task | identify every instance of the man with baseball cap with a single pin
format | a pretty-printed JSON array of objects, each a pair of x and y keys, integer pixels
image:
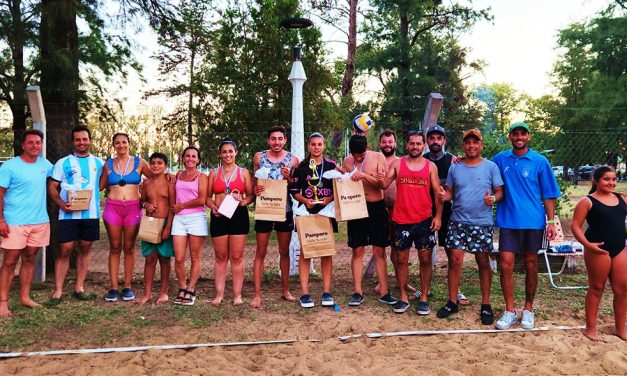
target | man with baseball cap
[
  {"x": 526, "y": 210},
  {"x": 474, "y": 185},
  {"x": 436, "y": 140}
]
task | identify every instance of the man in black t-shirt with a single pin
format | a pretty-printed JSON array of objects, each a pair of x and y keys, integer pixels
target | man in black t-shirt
[{"x": 436, "y": 139}]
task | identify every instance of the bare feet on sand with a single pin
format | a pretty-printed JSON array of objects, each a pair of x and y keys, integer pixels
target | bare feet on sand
[
  {"x": 237, "y": 301},
  {"x": 591, "y": 334},
  {"x": 256, "y": 302},
  {"x": 288, "y": 297},
  {"x": 217, "y": 301},
  {"x": 145, "y": 299},
  {"x": 4, "y": 309},
  {"x": 162, "y": 299},
  {"x": 30, "y": 303}
]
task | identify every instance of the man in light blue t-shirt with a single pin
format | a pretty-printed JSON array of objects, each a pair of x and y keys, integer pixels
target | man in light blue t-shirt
[
  {"x": 24, "y": 222},
  {"x": 529, "y": 200},
  {"x": 474, "y": 185},
  {"x": 76, "y": 175}
]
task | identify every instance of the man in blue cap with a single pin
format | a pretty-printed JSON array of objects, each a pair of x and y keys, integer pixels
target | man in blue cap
[{"x": 527, "y": 209}]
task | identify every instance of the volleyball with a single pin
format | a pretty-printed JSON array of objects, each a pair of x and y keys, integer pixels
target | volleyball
[{"x": 362, "y": 123}]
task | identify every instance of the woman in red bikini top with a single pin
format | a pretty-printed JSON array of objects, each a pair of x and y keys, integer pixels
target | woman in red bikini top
[{"x": 229, "y": 234}]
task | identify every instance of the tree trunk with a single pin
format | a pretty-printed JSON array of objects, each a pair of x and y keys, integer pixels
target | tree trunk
[
  {"x": 404, "y": 71},
  {"x": 17, "y": 40},
  {"x": 349, "y": 70},
  {"x": 59, "y": 87},
  {"x": 59, "y": 73},
  {"x": 190, "y": 104}
]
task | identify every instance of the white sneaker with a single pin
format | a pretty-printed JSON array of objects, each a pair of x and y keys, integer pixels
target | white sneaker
[
  {"x": 507, "y": 320},
  {"x": 527, "y": 321}
]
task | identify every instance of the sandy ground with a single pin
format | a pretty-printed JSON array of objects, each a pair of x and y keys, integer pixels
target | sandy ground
[{"x": 548, "y": 352}]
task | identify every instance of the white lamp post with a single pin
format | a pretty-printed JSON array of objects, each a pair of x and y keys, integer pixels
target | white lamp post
[{"x": 297, "y": 77}]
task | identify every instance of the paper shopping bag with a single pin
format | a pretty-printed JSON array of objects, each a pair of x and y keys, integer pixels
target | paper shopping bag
[
  {"x": 150, "y": 229},
  {"x": 80, "y": 199},
  {"x": 271, "y": 203},
  {"x": 229, "y": 205},
  {"x": 350, "y": 199},
  {"x": 315, "y": 234}
]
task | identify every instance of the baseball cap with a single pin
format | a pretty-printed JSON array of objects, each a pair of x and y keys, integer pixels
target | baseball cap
[
  {"x": 472, "y": 132},
  {"x": 519, "y": 124},
  {"x": 436, "y": 128}
]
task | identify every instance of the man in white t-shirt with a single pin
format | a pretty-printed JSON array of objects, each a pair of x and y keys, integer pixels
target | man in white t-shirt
[{"x": 76, "y": 175}]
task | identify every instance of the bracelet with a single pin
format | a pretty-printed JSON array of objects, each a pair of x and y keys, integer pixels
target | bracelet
[{"x": 551, "y": 221}]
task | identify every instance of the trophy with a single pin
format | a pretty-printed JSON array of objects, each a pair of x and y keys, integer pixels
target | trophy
[{"x": 315, "y": 176}]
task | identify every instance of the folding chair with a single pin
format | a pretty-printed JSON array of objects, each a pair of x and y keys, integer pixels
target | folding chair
[{"x": 560, "y": 248}]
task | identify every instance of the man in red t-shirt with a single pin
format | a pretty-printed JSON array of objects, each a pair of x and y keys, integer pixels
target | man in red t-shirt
[{"x": 415, "y": 176}]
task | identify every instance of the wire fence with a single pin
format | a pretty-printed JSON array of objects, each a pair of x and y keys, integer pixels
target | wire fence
[{"x": 573, "y": 155}]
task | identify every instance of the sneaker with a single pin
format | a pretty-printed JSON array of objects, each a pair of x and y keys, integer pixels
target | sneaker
[
  {"x": 112, "y": 296},
  {"x": 507, "y": 320},
  {"x": 327, "y": 300},
  {"x": 128, "y": 295},
  {"x": 400, "y": 307},
  {"x": 447, "y": 310},
  {"x": 356, "y": 299},
  {"x": 423, "y": 308},
  {"x": 388, "y": 299},
  {"x": 306, "y": 301},
  {"x": 528, "y": 320},
  {"x": 486, "y": 314}
]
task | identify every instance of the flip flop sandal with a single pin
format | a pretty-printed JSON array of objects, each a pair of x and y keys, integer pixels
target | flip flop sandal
[
  {"x": 180, "y": 298},
  {"x": 462, "y": 300},
  {"x": 191, "y": 300}
]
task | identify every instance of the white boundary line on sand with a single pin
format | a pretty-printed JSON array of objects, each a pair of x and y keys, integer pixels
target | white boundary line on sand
[{"x": 277, "y": 342}]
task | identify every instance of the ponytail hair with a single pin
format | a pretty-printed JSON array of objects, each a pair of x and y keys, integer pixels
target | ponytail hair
[{"x": 597, "y": 174}]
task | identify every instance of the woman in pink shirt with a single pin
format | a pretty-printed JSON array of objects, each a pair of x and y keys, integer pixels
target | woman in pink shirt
[{"x": 190, "y": 224}]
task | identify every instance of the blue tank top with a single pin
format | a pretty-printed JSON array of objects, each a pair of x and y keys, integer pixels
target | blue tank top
[{"x": 131, "y": 178}]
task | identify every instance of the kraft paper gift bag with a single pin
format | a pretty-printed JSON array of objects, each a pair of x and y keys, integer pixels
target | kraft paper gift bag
[
  {"x": 271, "y": 203},
  {"x": 150, "y": 229},
  {"x": 80, "y": 199},
  {"x": 229, "y": 205},
  {"x": 315, "y": 234},
  {"x": 350, "y": 199}
]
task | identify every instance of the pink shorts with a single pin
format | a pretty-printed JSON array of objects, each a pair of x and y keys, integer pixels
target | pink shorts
[
  {"x": 22, "y": 236},
  {"x": 122, "y": 213}
]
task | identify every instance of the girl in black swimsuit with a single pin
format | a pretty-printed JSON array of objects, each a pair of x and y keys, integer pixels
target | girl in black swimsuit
[{"x": 604, "y": 247}]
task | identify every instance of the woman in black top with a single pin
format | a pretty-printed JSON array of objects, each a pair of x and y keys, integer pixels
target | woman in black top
[
  {"x": 310, "y": 189},
  {"x": 604, "y": 247}
]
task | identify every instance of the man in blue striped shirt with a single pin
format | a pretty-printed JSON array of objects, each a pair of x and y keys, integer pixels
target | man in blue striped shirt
[{"x": 75, "y": 181}]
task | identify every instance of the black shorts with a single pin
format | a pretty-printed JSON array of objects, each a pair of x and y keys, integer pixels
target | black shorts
[
  {"x": 236, "y": 225},
  {"x": 268, "y": 226},
  {"x": 419, "y": 234},
  {"x": 70, "y": 230},
  {"x": 447, "y": 210},
  {"x": 520, "y": 241},
  {"x": 372, "y": 230}
]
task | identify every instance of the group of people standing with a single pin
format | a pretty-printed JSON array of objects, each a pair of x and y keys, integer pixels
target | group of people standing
[{"x": 415, "y": 199}]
